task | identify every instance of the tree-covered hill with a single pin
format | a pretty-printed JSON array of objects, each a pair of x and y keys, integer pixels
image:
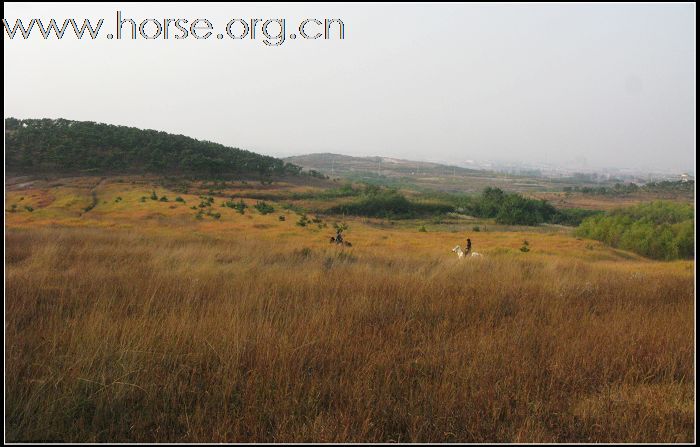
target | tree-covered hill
[{"x": 59, "y": 145}]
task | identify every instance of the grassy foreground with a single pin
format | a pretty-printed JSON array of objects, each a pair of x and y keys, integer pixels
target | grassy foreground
[{"x": 131, "y": 334}]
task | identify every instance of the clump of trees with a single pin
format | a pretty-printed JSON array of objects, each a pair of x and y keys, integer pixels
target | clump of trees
[
  {"x": 658, "y": 230},
  {"x": 572, "y": 216},
  {"x": 86, "y": 146},
  {"x": 515, "y": 209},
  {"x": 506, "y": 208},
  {"x": 389, "y": 203}
]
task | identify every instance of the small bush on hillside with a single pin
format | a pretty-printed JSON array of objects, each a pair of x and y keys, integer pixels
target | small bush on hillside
[
  {"x": 264, "y": 208},
  {"x": 240, "y": 206},
  {"x": 526, "y": 246}
]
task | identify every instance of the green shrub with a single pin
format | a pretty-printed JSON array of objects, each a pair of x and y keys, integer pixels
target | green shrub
[
  {"x": 264, "y": 208},
  {"x": 572, "y": 216},
  {"x": 375, "y": 202},
  {"x": 303, "y": 220},
  {"x": 658, "y": 230},
  {"x": 526, "y": 246},
  {"x": 240, "y": 206},
  {"x": 506, "y": 208}
]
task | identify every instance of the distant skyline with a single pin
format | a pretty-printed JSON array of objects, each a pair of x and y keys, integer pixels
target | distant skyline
[{"x": 579, "y": 84}]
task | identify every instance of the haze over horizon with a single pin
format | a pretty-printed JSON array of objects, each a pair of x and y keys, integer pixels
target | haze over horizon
[{"x": 611, "y": 85}]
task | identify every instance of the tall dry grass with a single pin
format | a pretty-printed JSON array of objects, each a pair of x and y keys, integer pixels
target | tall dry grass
[{"x": 122, "y": 336}]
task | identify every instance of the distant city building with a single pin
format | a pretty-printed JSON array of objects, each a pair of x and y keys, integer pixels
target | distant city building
[{"x": 684, "y": 177}]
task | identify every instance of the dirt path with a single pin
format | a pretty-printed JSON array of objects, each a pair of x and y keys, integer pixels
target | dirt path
[{"x": 93, "y": 192}]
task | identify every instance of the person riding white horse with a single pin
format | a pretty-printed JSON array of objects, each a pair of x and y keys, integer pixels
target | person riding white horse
[{"x": 461, "y": 254}]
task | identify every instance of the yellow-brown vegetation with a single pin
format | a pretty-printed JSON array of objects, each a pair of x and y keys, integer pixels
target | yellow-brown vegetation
[{"x": 136, "y": 322}]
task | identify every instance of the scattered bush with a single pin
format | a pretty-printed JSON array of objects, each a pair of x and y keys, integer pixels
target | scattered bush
[
  {"x": 264, "y": 208},
  {"x": 239, "y": 206},
  {"x": 303, "y": 220},
  {"x": 526, "y": 246}
]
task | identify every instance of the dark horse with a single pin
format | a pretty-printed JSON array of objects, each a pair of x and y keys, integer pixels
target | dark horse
[{"x": 340, "y": 241}]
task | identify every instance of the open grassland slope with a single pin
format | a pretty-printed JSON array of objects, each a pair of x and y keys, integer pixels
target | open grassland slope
[{"x": 137, "y": 321}]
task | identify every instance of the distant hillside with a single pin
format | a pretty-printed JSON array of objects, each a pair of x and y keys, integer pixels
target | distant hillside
[
  {"x": 59, "y": 145},
  {"x": 343, "y": 165}
]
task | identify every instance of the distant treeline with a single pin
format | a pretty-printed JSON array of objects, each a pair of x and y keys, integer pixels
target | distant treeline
[
  {"x": 494, "y": 203},
  {"x": 619, "y": 189},
  {"x": 658, "y": 230},
  {"x": 515, "y": 209},
  {"x": 43, "y": 145}
]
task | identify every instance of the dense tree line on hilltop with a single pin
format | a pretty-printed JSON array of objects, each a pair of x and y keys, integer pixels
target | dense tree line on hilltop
[{"x": 43, "y": 145}]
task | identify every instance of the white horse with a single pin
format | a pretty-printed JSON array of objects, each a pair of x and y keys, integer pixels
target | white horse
[{"x": 461, "y": 254}]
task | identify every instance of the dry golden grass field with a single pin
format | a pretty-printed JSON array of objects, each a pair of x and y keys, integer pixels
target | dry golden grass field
[
  {"x": 135, "y": 321},
  {"x": 596, "y": 202}
]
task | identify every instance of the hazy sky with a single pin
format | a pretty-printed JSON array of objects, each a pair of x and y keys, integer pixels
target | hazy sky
[{"x": 595, "y": 85}]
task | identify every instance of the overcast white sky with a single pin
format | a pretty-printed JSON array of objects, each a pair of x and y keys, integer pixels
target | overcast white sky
[{"x": 600, "y": 85}]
